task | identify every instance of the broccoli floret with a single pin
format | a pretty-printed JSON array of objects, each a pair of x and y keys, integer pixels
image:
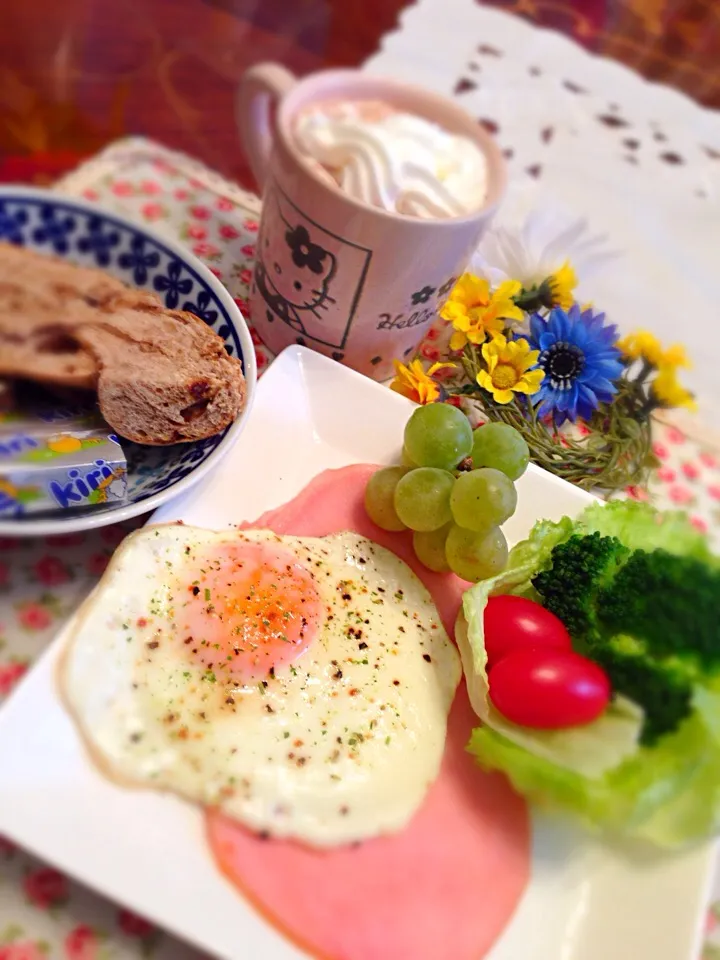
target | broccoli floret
[
  {"x": 670, "y": 602},
  {"x": 664, "y": 693},
  {"x": 648, "y": 618},
  {"x": 580, "y": 566}
]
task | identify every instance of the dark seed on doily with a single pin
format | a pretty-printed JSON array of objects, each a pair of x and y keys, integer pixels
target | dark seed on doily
[
  {"x": 610, "y": 120},
  {"x": 463, "y": 85}
]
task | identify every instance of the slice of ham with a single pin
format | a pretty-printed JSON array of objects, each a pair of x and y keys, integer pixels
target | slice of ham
[{"x": 442, "y": 889}]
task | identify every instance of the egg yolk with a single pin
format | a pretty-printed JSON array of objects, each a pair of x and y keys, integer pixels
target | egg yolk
[{"x": 251, "y": 607}]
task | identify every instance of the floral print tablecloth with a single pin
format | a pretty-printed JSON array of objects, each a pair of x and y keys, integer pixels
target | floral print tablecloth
[{"x": 44, "y": 915}]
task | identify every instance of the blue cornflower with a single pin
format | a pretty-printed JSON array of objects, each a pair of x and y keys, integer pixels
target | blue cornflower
[{"x": 580, "y": 361}]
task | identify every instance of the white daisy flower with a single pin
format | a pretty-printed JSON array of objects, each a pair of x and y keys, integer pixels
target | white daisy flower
[{"x": 541, "y": 248}]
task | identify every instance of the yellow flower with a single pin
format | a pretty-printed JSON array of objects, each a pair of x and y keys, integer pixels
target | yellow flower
[
  {"x": 476, "y": 313},
  {"x": 562, "y": 284},
  {"x": 676, "y": 356},
  {"x": 645, "y": 346},
  {"x": 641, "y": 345},
  {"x": 508, "y": 371},
  {"x": 670, "y": 392},
  {"x": 414, "y": 383}
]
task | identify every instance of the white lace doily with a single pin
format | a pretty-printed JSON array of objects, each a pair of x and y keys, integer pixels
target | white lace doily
[{"x": 641, "y": 161}]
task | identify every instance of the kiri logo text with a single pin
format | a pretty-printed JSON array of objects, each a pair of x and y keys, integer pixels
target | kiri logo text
[
  {"x": 79, "y": 485},
  {"x": 18, "y": 443}
]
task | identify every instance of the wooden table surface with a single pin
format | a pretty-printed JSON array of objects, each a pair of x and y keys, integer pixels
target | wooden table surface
[{"x": 77, "y": 74}]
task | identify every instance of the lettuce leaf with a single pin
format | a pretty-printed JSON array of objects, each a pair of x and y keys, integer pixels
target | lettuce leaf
[
  {"x": 666, "y": 794},
  {"x": 600, "y": 773},
  {"x": 641, "y": 527}
]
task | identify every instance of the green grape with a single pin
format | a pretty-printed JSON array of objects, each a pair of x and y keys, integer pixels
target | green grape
[
  {"x": 422, "y": 498},
  {"x": 429, "y": 548},
  {"x": 500, "y": 446},
  {"x": 379, "y": 497},
  {"x": 476, "y": 556},
  {"x": 438, "y": 435},
  {"x": 482, "y": 498},
  {"x": 406, "y": 459}
]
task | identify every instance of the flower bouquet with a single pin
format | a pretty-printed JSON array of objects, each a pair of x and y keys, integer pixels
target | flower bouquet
[{"x": 523, "y": 351}]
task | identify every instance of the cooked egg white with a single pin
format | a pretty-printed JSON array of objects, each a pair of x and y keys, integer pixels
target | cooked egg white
[{"x": 300, "y": 684}]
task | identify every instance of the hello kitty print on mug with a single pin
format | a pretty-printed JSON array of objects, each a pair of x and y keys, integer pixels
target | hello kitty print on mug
[
  {"x": 307, "y": 278},
  {"x": 352, "y": 279}
]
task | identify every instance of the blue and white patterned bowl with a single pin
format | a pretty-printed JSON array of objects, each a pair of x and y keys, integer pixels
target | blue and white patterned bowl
[{"x": 84, "y": 234}]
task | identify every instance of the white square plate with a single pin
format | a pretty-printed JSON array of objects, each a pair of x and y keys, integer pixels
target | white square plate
[{"x": 585, "y": 900}]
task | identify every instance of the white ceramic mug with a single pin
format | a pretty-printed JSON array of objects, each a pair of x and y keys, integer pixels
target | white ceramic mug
[{"x": 355, "y": 282}]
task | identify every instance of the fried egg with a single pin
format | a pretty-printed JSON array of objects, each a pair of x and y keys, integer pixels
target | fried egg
[{"x": 301, "y": 685}]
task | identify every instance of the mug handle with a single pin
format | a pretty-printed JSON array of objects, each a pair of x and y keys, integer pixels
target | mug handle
[{"x": 260, "y": 90}]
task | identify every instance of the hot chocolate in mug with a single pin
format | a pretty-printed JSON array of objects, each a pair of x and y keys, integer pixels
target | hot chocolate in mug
[{"x": 353, "y": 281}]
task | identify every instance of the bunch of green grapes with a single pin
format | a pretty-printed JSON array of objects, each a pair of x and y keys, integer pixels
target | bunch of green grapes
[{"x": 454, "y": 491}]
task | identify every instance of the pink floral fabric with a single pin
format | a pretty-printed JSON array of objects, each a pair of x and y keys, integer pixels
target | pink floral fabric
[{"x": 43, "y": 914}]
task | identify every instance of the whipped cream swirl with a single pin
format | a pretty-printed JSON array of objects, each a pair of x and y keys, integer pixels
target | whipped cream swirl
[{"x": 397, "y": 161}]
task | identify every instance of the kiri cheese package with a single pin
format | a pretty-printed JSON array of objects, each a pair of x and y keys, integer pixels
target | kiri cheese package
[{"x": 54, "y": 459}]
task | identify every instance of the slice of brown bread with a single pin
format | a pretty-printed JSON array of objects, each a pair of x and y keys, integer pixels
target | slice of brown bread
[
  {"x": 39, "y": 301},
  {"x": 164, "y": 376},
  {"x": 36, "y": 320},
  {"x": 37, "y": 345},
  {"x": 51, "y": 280},
  {"x": 161, "y": 376}
]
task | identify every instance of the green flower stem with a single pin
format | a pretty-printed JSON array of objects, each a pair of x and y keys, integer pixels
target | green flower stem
[
  {"x": 646, "y": 368},
  {"x": 472, "y": 363}
]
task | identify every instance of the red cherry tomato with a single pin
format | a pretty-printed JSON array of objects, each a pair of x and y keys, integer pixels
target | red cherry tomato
[
  {"x": 548, "y": 689},
  {"x": 514, "y": 623}
]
